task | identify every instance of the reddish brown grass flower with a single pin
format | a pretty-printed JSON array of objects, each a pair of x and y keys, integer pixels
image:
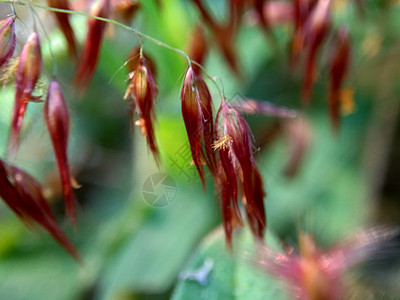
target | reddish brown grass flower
[
  {"x": 338, "y": 69},
  {"x": 57, "y": 120},
  {"x": 27, "y": 74},
  {"x": 198, "y": 117},
  {"x": 225, "y": 33},
  {"x": 65, "y": 26},
  {"x": 237, "y": 165},
  {"x": 142, "y": 93},
  {"x": 91, "y": 50},
  {"x": 316, "y": 30},
  {"x": 23, "y": 194},
  {"x": 7, "y": 39}
]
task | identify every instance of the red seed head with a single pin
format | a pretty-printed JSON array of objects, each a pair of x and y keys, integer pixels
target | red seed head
[
  {"x": 198, "y": 117},
  {"x": 23, "y": 194},
  {"x": 143, "y": 92},
  {"x": 57, "y": 120},
  {"x": 234, "y": 145},
  {"x": 29, "y": 65},
  {"x": 56, "y": 113},
  {"x": 7, "y": 39},
  {"x": 27, "y": 74}
]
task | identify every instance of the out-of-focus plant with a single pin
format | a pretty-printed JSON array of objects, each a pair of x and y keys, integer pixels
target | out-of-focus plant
[{"x": 325, "y": 51}]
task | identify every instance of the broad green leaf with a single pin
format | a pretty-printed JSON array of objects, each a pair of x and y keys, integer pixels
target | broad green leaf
[{"x": 232, "y": 277}]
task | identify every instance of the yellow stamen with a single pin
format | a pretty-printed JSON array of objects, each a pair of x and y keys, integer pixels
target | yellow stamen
[{"x": 223, "y": 142}]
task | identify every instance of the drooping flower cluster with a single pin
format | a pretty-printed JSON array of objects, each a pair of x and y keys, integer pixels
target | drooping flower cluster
[
  {"x": 225, "y": 148},
  {"x": 222, "y": 144},
  {"x": 30, "y": 203},
  {"x": 198, "y": 117},
  {"x": 28, "y": 72},
  {"x": 312, "y": 27},
  {"x": 57, "y": 120},
  {"x": 238, "y": 172},
  {"x": 22, "y": 193},
  {"x": 141, "y": 94}
]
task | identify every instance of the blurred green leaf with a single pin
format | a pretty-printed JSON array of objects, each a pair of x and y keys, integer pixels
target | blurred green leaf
[{"x": 232, "y": 277}]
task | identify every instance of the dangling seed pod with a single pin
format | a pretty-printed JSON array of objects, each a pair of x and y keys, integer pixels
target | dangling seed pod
[
  {"x": 233, "y": 143},
  {"x": 23, "y": 194},
  {"x": 198, "y": 118},
  {"x": 57, "y": 120},
  {"x": 27, "y": 74},
  {"x": 142, "y": 93}
]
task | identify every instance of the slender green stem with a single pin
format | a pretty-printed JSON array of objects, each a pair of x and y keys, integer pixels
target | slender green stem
[
  {"x": 138, "y": 33},
  {"x": 13, "y": 10},
  {"x": 116, "y": 23}
]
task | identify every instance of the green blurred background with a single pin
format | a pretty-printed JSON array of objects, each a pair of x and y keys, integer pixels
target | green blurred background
[{"x": 132, "y": 250}]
